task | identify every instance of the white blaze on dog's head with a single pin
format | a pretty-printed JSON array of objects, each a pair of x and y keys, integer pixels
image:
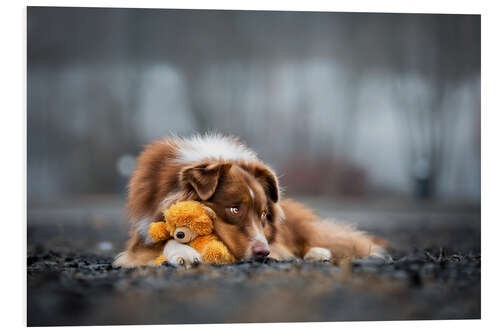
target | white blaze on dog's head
[
  {"x": 252, "y": 195},
  {"x": 258, "y": 241}
]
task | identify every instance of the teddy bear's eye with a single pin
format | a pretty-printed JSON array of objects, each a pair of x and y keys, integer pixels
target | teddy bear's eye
[
  {"x": 234, "y": 210},
  {"x": 263, "y": 216}
]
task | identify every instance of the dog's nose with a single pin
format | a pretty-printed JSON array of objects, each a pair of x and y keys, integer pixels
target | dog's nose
[
  {"x": 180, "y": 235},
  {"x": 260, "y": 250}
]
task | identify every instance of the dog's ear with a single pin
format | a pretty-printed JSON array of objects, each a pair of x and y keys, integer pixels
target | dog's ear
[
  {"x": 203, "y": 178},
  {"x": 269, "y": 181},
  {"x": 211, "y": 214}
]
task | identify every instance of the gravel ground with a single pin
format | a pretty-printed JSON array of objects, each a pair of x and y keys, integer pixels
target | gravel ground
[{"x": 435, "y": 274}]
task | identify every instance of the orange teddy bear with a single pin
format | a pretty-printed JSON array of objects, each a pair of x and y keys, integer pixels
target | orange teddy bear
[{"x": 191, "y": 222}]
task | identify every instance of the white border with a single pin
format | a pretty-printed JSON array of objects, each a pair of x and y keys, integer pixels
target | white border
[{"x": 13, "y": 134}]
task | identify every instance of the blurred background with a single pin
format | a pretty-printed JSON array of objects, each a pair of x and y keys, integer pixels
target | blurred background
[{"x": 373, "y": 118}]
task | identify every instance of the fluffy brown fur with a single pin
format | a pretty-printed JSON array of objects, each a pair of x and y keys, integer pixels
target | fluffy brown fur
[{"x": 287, "y": 229}]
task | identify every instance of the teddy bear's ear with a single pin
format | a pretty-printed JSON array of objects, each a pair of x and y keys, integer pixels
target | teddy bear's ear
[
  {"x": 165, "y": 214},
  {"x": 204, "y": 178},
  {"x": 210, "y": 213},
  {"x": 170, "y": 227}
]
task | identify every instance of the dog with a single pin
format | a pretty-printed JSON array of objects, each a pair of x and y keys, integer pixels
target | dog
[{"x": 252, "y": 218}]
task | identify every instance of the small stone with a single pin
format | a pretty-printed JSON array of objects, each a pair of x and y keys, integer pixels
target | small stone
[{"x": 370, "y": 261}]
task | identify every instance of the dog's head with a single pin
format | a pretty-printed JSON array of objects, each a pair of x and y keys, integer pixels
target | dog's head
[{"x": 245, "y": 198}]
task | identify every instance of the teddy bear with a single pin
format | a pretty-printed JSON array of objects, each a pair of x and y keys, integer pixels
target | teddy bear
[{"x": 191, "y": 223}]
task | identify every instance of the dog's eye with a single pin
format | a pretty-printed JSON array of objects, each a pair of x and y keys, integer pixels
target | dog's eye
[
  {"x": 234, "y": 210},
  {"x": 263, "y": 218}
]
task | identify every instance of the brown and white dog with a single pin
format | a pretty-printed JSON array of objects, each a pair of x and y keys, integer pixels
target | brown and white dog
[{"x": 252, "y": 219}]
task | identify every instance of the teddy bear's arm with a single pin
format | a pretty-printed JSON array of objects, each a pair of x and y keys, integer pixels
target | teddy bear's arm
[
  {"x": 158, "y": 231},
  {"x": 212, "y": 250},
  {"x": 217, "y": 252},
  {"x": 160, "y": 260}
]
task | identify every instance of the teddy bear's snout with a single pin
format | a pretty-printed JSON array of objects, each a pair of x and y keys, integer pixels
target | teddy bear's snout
[{"x": 184, "y": 235}]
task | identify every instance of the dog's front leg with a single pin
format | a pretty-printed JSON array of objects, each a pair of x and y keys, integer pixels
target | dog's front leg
[
  {"x": 318, "y": 254},
  {"x": 280, "y": 252},
  {"x": 181, "y": 254}
]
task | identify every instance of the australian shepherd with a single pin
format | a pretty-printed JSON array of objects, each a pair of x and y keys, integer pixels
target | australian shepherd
[{"x": 253, "y": 220}]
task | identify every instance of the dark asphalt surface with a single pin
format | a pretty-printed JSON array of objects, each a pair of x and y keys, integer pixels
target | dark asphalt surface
[{"x": 435, "y": 274}]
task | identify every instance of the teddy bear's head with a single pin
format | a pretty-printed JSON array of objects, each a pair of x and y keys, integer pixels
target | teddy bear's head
[{"x": 187, "y": 220}]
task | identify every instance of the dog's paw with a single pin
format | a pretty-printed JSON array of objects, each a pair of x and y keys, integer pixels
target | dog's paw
[
  {"x": 318, "y": 254},
  {"x": 181, "y": 255},
  {"x": 381, "y": 253}
]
